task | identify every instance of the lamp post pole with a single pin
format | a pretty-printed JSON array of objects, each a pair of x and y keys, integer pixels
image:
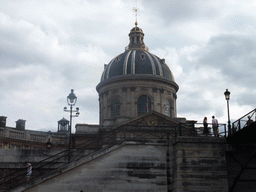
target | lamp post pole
[
  {"x": 70, "y": 127},
  {"x": 71, "y": 100},
  {"x": 227, "y": 96}
]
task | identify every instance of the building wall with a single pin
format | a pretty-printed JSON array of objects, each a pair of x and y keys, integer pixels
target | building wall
[
  {"x": 11, "y": 138},
  {"x": 128, "y": 93},
  {"x": 23, "y": 155},
  {"x": 129, "y": 168},
  {"x": 12, "y": 160},
  {"x": 199, "y": 165}
]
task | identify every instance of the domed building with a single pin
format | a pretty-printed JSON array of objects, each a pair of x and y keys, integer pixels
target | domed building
[
  {"x": 136, "y": 82},
  {"x": 139, "y": 144}
]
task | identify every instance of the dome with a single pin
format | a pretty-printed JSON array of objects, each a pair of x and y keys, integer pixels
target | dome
[
  {"x": 137, "y": 61},
  {"x": 134, "y": 83}
]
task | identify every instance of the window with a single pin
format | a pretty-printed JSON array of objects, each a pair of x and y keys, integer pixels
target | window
[
  {"x": 144, "y": 105},
  {"x": 168, "y": 108},
  {"x": 142, "y": 56},
  {"x": 115, "y": 108}
]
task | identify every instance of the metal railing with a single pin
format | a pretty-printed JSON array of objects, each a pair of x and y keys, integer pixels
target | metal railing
[
  {"x": 222, "y": 130},
  {"x": 243, "y": 121}
]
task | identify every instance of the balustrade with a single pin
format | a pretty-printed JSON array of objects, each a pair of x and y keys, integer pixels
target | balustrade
[
  {"x": 37, "y": 136},
  {"x": 16, "y": 134}
]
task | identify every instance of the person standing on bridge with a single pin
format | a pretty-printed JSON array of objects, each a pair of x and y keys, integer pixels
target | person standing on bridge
[
  {"x": 215, "y": 126},
  {"x": 206, "y": 132},
  {"x": 250, "y": 121}
]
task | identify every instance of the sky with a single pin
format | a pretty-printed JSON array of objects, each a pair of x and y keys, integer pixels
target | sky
[{"x": 49, "y": 47}]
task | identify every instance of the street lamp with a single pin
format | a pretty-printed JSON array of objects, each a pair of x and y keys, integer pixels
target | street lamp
[
  {"x": 227, "y": 96},
  {"x": 71, "y": 99}
]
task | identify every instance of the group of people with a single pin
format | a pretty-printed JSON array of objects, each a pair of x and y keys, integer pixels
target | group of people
[{"x": 215, "y": 126}]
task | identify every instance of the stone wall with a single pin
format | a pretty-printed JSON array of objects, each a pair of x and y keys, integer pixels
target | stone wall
[
  {"x": 196, "y": 164},
  {"x": 129, "y": 168},
  {"x": 199, "y": 165},
  {"x": 128, "y": 91},
  {"x": 13, "y": 160},
  {"x": 22, "y": 155}
]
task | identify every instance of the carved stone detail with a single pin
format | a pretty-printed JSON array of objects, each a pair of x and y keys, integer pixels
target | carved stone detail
[
  {"x": 132, "y": 88},
  {"x": 154, "y": 89}
]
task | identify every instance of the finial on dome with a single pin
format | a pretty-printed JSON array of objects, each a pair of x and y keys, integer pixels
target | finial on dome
[
  {"x": 136, "y": 11},
  {"x": 136, "y": 35}
]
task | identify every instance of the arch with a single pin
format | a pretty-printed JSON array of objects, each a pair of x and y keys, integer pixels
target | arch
[
  {"x": 115, "y": 108},
  {"x": 143, "y": 104}
]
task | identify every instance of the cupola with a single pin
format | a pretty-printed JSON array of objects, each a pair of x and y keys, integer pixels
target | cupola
[{"x": 136, "y": 38}]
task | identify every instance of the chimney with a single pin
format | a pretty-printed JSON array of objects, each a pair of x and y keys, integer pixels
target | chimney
[
  {"x": 20, "y": 124},
  {"x": 3, "y": 121}
]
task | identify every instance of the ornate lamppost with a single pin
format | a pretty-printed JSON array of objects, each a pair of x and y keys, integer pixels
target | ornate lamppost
[
  {"x": 71, "y": 99},
  {"x": 227, "y": 96}
]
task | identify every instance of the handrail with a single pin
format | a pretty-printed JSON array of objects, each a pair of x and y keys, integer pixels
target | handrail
[
  {"x": 242, "y": 121},
  {"x": 222, "y": 129}
]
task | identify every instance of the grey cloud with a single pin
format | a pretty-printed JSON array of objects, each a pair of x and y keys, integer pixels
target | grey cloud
[
  {"x": 68, "y": 43},
  {"x": 234, "y": 55},
  {"x": 182, "y": 11},
  {"x": 247, "y": 98},
  {"x": 188, "y": 103},
  {"x": 193, "y": 105},
  {"x": 90, "y": 103},
  {"x": 238, "y": 22}
]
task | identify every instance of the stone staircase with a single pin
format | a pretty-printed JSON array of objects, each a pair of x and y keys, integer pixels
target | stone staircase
[{"x": 112, "y": 168}]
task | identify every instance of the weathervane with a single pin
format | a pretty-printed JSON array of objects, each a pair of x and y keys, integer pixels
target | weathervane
[{"x": 135, "y": 9}]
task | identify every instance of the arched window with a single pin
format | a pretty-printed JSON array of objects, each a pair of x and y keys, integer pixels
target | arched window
[
  {"x": 168, "y": 109},
  {"x": 115, "y": 108},
  {"x": 144, "y": 104}
]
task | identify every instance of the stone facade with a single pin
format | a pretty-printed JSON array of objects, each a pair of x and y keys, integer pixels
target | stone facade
[
  {"x": 128, "y": 90},
  {"x": 199, "y": 165},
  {"x": 191, "y": 165},
  {"x": 11, "y": 138},
  {"x": 127, "y": 169}
]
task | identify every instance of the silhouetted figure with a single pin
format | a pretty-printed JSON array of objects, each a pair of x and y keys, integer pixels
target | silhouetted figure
[
  {"x": 250, "y": 121},
  {"x": 215, "y": 126},
  {"x": 206, "y": 131}
]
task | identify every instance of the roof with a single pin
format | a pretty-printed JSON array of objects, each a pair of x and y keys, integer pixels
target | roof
[{"x": 137, "y": 60}]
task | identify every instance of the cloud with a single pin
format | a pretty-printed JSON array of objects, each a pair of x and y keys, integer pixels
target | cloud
[
  {"x": 204, "y": 72},
  {"x": 50, "y": 47}
]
